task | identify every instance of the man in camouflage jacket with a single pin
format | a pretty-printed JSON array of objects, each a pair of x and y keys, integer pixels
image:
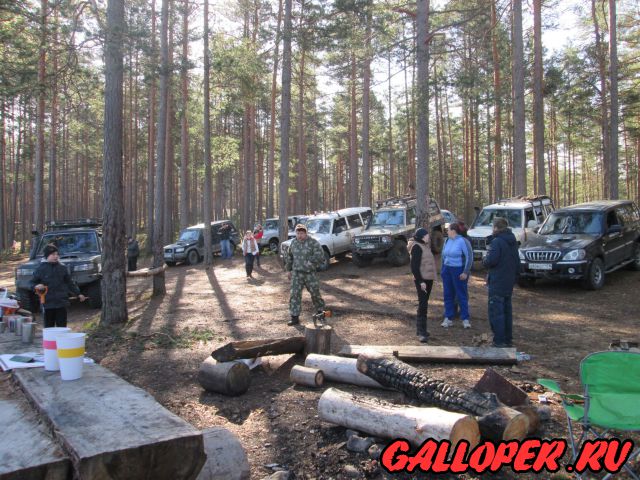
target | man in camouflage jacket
[{"x": 304, "y": 256}]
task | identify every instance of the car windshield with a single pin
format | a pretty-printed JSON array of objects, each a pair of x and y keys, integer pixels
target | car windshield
[
  {"x": 319, "y": 225},
  {"x": 189, "y": 235},
  {"x": 271, "y": 225},
  {"x": 69, "y": 243},
  {"x": 589, "y": 223},
  {"x": 485, "y": 219},
  {"x": 387, "y": 217}
]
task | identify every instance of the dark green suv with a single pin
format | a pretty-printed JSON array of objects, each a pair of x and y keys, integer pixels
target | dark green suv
[
  {"x": 389, "y": 230},
  {"x": 79, "y": 244}
]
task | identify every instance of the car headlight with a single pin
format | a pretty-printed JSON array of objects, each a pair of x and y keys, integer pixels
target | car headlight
[
  {"x": 574, "y": 255},
  {"x": 521, "y": 254},
  {"x": 179, "y": 250},
  {"x": 24, "y": 272},
  {"x": 83, "y": 267},
  {"x": 386, "y": 239}
]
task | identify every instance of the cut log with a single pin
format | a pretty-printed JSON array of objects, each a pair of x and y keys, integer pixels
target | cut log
[
  {"x": 340, "y": 369},
  {"x": 111, "y": 429},
  {"x": 226, "y": 459},
  {"x": 258, "y": 348},
  {"x": 386, "y": 420},
  {"x": 507, "y": 392},
  {"x": 504, "y": 423},
  {"x": 438, "y": 354},
  {"x": 317, "y": 339},
  {"x": 533, "y": 415},
  {"x": 272, "y": 364},
  {"x": 310, "y": 377},
  {"x": 228, "y": 378},
  {"x": 147, "y": 272}
]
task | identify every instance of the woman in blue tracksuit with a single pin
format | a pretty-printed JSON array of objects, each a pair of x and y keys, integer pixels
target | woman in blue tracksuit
[{"x": 457, "y": 259}]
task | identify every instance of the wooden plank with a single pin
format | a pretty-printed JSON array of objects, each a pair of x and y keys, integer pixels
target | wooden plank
[
  {"x": 27, "y": 449},
  {"x": 446, "y": 354},
  {"x": 258, "y": 348},
  {"x": 111, "y": 429}
]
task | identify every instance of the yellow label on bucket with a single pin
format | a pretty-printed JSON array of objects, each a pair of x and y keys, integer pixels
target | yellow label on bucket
[{"x": 70, "y": 352}]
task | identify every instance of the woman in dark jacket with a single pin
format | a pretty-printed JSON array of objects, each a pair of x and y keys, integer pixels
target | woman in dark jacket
[
  {"x": 423, "y": 267},
  {"x": 56, "y": 278}
]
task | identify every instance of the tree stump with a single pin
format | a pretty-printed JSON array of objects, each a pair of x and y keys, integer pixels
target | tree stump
[
  {"x": 228, "y": 378},
  {"x": 317, "y": 339},
  {"x": 310, "y": 377}
]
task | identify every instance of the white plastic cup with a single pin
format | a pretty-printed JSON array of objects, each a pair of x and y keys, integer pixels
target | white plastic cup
[
  {"x": 50, "y": 347},
  {"x": 70, "y": 354}
]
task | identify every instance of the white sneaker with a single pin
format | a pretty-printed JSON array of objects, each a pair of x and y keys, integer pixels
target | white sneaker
[
  {"x": 466, "y": 324},
  {"x": 446, "y": 323}
]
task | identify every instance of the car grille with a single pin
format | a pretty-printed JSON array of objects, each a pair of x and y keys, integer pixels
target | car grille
[
  {"x": 542, "y": 256},
  {"x": 368, "y": 239},
  {"x": 478, "y": 243},
  {"x": 168, "y": 250}
]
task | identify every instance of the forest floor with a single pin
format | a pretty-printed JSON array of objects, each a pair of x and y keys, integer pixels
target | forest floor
[{"x": 166, "y": 339}]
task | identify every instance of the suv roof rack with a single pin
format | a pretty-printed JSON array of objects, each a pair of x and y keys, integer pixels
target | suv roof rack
[
  {"x": 400, "y": 200},
  {"x": 534, "y": 199},
  {"x": 77, "y": 223}
]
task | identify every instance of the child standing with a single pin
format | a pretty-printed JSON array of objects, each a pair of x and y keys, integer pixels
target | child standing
[{"x": 249, "y": 250}]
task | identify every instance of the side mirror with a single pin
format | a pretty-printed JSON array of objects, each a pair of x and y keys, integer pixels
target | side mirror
[
  {"x": 532, "y": 224},
  {"x": 614, "y": 229}
]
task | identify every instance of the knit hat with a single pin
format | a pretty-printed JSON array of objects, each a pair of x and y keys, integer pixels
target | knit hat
[
  {"x": 420, "y": 233},
  {"x": 49, "y": 249}
]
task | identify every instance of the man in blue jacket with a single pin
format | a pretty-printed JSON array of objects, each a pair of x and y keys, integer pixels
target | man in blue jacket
[{"x": 503, "y": 263}]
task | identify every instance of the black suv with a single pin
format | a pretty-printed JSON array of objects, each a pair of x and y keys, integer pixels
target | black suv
[
  {"x": 79, "y": 244},
  {"x": 391, "y": 227},
  {"x": 583, "y": 242},
  {"x": 189, "y": 247}
]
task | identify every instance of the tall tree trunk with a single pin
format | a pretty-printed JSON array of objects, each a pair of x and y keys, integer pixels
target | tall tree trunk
[
  {"x": 169, "y": 162},
  {"x": 422, "y": 107},
  {"x": 38, "y": 200},
  {"x": 538, "y": 100},
  {"x": 366, "y": 85},
  {"x": 353, "y": 138},
  {"x": 208, "y": 254},
  {"x": 497, "y": 88},
  {"x": 603, "y": 101},
  {"x": 392, "y": 163},
  {"x": 53, "y": 146},
  {"x": 184, "y": 130},
  {"x": 285, "y": 122},
  {"x": 519, "y": 150},
  {"x": 301, "y": 183},
  {"x": 114, "y": 282},
  {"x": 272, "y": 121},
  {"x": 3, "y": 155},
  {"x": 151, "y": 138},
  {"x": 613, "y": 83},
  {"x": 159, "y": 287}
]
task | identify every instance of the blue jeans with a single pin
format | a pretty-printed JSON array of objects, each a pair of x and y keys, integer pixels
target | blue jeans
[
  {"x": 225, "y": 249},
  {"x": 454, "y": 287},
  {"x": 501, "y": 319}
]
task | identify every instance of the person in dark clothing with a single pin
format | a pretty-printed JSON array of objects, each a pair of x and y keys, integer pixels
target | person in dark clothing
[
  {"x": 503, "y": 263},
  {"x": 56, "y": 278},
  {"x": 225, "y": 241},
  {"x": 423, "y": 268},
  {"x": 133, "y": 251}
]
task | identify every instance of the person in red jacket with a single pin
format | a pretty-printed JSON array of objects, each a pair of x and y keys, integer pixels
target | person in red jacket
[{"x": 257, "y": 234}]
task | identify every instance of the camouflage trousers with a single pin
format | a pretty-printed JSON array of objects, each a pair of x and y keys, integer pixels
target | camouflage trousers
[{"x": 310, "y": 281}]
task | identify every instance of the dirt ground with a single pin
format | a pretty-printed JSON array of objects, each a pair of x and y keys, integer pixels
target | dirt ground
[{"x": 166, "y": 339}]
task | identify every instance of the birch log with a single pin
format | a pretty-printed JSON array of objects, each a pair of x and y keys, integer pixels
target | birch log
[
  {"x": 310, "y": 377},
  {"x": 386, "y": 420},
  {"x": 339, "y": 369}
]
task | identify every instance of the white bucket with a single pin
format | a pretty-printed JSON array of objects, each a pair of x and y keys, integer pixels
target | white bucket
[
  {"x": 50, "y": 348},
  {"x": 70, "y": 354}
]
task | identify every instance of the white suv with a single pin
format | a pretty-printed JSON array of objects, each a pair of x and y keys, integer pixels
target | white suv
[
  {"x": 334, "y": 231},
  {"x": 523, "y": 214},
  {"x": 270, "y": 233}
]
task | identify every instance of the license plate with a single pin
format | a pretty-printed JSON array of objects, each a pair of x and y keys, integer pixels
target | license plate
[
  {"x": 367, "y": 246},
  {"x": 167, "y": 255},
  {"x": 540, "y": 266}
]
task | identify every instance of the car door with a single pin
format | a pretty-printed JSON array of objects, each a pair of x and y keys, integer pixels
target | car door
[
  {"x": 356, "y": 226},
  {"x": 340, "y": 235},
  {"x": 614, "y": 241},
  {"x": 628, "y": 232},
  {"x": 215, "y": 238}
]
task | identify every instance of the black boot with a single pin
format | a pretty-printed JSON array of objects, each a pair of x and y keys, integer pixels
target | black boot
[
  {"x": 421, "y": 327},
  {"x": 295, "y": 320}
]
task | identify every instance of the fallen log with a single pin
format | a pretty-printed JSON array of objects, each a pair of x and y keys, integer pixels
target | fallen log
[
  {"x": 258, "y": 348},
  {"x": 228, "y": 378},
  {"x": 400, "y": 376},
  {"x": 147, "y": 272},
  {"x": 340, "y": 369},
  {"x": 310, "y": 377},
  {"x": 438, "y": 354},
  {"x": 382, "y": 419},
  {"x": 317, "y": 339},
  {"x": 507, "y": 392}
]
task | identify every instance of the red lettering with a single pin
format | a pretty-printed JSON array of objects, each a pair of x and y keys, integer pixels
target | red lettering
[
  {"x": 591, "y": 453},
  {"x": 482, "y": 457},
  {"x": 527, "y": 451},
  {"x": 391, "y": 460},
  {"x": 457, "y": 464},
  {"x": 611, "y": 464},
  {"x": 504, "y": 455},
  {"x": 439, "y": 464},
  {"x": 424, "y": 457},
  {"x": 550, "y": 453}
]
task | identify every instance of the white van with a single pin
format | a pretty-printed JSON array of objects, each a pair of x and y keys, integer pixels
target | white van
[
  {"x": 523, "y": 214},
  {"x": 334, "y": 231}
]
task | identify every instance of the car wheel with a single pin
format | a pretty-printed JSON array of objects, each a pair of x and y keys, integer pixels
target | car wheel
[
  {"x": 171, "y": 264},
  {"x": 193, "y": 257},
  {"x": 635, "y": 265},
  {"x": 326, "y": 263},
  {"x": 94, "y": 292},
  {"x": 27, "y": 300},
  {"x": 361, "y": 261},
  {"x": 273, "y": 245},
  {"x": 594, "y": 279},
  {"x": 398, "y": 255},
  {"x": 437, "y": 242},
  {"x": 526, "y": 282}
]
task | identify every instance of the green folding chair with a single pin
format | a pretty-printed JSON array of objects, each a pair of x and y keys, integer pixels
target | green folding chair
[{"x": 610, "y": 400}]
